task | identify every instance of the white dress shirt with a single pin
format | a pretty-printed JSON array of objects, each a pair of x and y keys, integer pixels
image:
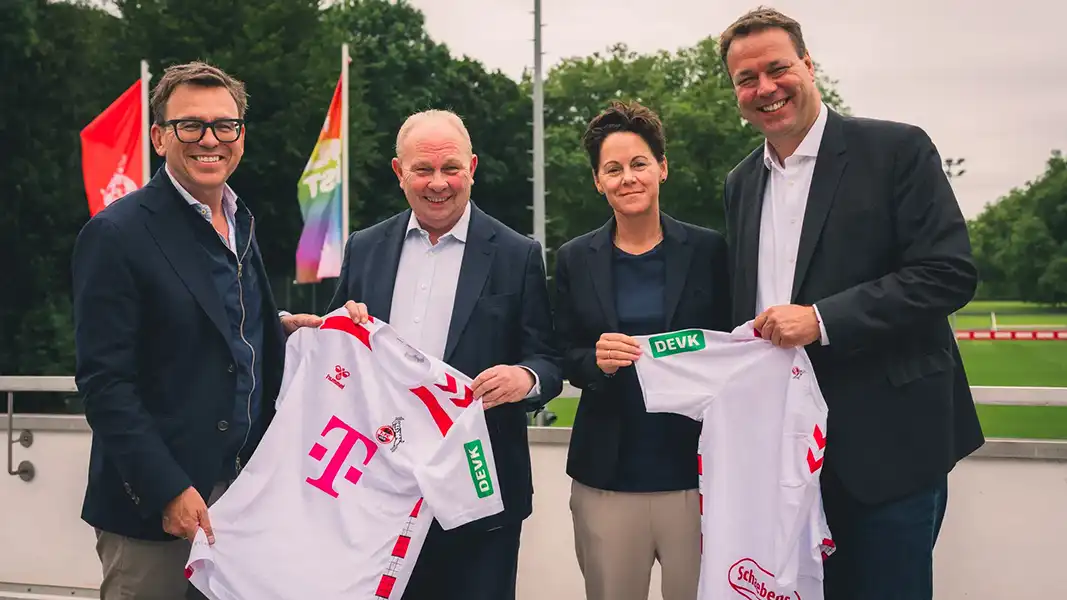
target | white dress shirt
[
  {"x": 784, "y": 201},
  {"x": 425, "y": 288},
  {"x": 424, "y": 292},
  {"x": 229, "y": 207}
]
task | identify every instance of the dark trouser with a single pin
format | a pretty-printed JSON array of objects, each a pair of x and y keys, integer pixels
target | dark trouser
[
  {"x": 146, "y": 570},
  {"x": 466, "y": 565},
  {"x": 884, "y": 551}
]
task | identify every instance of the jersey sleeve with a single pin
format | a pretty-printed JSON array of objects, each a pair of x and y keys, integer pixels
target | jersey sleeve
[
  {"x": 459, "y": 482},
  {"x": 683, "y": 371},
  {"x": 297, "y": 347}
]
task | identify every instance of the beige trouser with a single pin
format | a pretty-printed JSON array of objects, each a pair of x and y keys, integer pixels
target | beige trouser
[
  {"x": 618, "y": 536},
  {"x": 142, "y": 569}
]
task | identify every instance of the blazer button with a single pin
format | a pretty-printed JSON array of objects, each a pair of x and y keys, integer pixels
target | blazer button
[
  {"x": 223, "y": 425},
  {"x": 230, "y": 368}
]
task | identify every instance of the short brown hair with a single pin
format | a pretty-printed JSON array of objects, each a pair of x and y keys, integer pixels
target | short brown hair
[
  {"x": 195, "y": 73},
  {"x": 757, "y": 20},
  {"x": 632, "y": 117}
]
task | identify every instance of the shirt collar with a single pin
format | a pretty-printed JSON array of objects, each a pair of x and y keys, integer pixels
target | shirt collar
[
  {"x": 229, "y": 197},
  {"x": 809, "y": 146},
  {"x": 458, "y": 231}
]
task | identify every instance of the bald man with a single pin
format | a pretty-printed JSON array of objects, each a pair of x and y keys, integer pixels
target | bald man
[{"x": 461, "y": 286}]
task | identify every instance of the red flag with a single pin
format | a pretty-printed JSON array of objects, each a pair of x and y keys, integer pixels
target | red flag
[{"x": 112, "y": 151}]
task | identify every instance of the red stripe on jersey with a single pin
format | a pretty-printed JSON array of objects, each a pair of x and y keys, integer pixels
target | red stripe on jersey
[
  {"x": 385, "y": 586},
  {"x": 828, "y": 548},
  {"x": 400, "y": 549},
  {"x": 452, "y": 388},
  {"x": 440, "y": 417},
  {"x": 820, "y": 439},
  {"x": 449, "y": 387},
  {"x": 813, "y": 464},
  {"x": 415, "y": 511},
  {"x": 465, "y": 401},
  {"x": 700, "y": 464},
  {"x": 347, "y": 325}
]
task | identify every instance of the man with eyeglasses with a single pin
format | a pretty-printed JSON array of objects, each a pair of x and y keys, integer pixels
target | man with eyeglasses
[{"x": 179, "y": 344}]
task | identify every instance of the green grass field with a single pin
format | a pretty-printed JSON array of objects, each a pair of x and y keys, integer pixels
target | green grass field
[
  {"x": 1015, "y": 363},
  {"x": 1012, "y": 321},
  {"x": 998, "y": 421},
  {"x": 1006, "y": 306},
  {"x": 988, "y": 363}
]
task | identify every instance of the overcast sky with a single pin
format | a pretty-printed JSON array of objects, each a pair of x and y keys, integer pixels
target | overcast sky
[{"x": 986, "y": 80}]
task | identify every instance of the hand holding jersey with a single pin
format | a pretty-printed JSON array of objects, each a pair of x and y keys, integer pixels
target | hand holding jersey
[
  {"x": 358, "y": 311},
  {"x": 496, "y": 385},
  {"x": 185, "y": 514},
  {"x": 502, "y": 384},
  {"x": 372, "y": 441},
  {"x": 292, "y": 323},
  {"x": 761, "y": 453},
  {"x": 615, "y": 351},
  {"x": 788, "y": 325}
]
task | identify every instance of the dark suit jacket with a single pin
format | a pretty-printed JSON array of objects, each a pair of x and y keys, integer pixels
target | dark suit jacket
[
  {"x": 501, "y": 315},
  {"x": 885, "y": 255},
  {"x": 154, "y": 364},
  {"x": 697, "y": 296}
]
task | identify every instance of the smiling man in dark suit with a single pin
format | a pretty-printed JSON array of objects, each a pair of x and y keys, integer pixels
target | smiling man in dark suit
[
  {"x": 464, "y": 288},
  {"x": 178, "y": 341},
  {"x": 846, "y": 238}
]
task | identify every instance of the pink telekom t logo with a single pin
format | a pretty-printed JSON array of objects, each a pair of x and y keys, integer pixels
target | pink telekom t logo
[{"x": 318, "y": 452}]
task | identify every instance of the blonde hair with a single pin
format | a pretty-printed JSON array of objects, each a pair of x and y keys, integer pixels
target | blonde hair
[{"x": 432, "y": 115}]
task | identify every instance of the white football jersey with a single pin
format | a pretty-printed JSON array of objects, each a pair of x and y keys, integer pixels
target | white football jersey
[
  {"x": 371, "y": 441},
  {"x": 763, "y": 531}
]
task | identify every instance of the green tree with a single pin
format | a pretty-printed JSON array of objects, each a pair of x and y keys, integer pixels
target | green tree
[
  {"x": 55, "y": 82},
  {"x": 1020, "y": 242},
  {"x": 403, "y": 71},
  {"x": 290, "y": 70}
]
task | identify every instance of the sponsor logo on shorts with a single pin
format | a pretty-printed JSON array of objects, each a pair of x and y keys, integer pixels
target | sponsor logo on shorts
[{"x": 675, "y": 343}]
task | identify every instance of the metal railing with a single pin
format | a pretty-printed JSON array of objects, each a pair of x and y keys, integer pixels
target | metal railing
[
  {"x": 1018, "y": 396},
  {"x": 11, "y": 385}
]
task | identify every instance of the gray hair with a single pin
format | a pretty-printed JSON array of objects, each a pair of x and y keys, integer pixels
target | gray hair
[{"x": 431, "y": 115}]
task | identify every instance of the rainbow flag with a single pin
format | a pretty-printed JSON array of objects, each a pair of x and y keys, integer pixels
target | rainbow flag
[{"x": 319, "y": 253}]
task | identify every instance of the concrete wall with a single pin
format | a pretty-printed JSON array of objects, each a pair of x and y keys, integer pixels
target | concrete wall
[{"x": 1005, "y": 535}]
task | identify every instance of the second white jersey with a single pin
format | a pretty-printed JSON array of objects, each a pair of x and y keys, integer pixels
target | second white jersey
[
  {"x": 372, "y": 440},
  {"x": 763, "y": 532}
]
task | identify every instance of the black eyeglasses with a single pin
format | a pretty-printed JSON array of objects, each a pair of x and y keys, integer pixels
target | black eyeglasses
[{"x": 191, "y": 131}]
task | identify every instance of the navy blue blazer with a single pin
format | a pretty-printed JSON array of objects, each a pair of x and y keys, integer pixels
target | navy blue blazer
[
  {"x": 697, "y": 295},
  {"x": 501, "y": 315},
  {"x": 885, "y": 255},
  {"x": 154, "y": 366}
]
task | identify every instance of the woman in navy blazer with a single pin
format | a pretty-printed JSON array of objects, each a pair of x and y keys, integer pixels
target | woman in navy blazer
[{"x": 634, "y": 497}]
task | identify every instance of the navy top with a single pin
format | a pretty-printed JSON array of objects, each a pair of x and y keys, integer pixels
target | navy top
[
  {"x": 241, "y": 292},
  {"x": 648, "y": 462}
]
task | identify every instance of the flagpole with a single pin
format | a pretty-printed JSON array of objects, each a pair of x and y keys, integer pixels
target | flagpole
[
  {"x": 344, "y": 144},
  {"x": 146, "y": 77}
]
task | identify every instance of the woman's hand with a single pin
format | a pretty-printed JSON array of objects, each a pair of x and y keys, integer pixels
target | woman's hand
[{"x": 615, "y": 350}]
